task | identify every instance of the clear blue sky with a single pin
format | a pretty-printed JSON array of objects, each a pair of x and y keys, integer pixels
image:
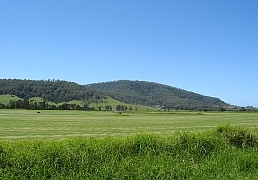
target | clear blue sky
[{"x": 205, "y": 46}]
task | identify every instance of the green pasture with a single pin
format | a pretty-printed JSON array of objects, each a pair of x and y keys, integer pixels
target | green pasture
[
  {"x": 50, "y": 124},
  {"x": 112, "y": 102},
  {"x": 139, "y": 108},
  {"x": 6, "y": 98}
]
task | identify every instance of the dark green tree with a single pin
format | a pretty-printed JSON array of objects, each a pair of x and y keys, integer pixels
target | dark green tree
[{"x": 118, "y": 108}]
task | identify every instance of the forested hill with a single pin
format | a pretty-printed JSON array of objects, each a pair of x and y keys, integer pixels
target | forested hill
[
  {"x": 51, "y": 90},
  {"x": 133, "y": 92},
  {"x": 154, "y": 94}
]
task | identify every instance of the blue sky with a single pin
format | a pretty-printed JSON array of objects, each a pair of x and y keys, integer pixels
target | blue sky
[{"x": 205, "y": 46}]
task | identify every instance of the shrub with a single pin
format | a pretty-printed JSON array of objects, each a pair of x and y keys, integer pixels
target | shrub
[{"x": 238, "y": 137}]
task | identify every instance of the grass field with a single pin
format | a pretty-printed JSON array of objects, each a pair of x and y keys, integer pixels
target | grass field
[
  {"x": 28, "y": 124},
  {"x": 106, "y": 145},
  {"x": 114, "y": 103}
]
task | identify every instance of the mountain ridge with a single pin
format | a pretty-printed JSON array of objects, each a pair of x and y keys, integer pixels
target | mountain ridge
[
  {"x": 128, "y": 91},
  {"x": 156, "y": 94}
]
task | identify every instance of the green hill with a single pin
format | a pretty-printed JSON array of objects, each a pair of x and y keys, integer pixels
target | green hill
[
  {"x": 156, "y": 95},
  {"x": 134, "y": 93},
  {"x": 50, "y": 90}
]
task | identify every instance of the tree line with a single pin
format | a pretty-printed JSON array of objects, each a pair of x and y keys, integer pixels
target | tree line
[{"x": 44, "y": 105}]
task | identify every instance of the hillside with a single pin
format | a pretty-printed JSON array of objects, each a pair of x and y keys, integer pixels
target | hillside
[
  {"x": 56, "y": 93},
  {"x": 154, "y": 94},
  {"x": 6, "y": 98},
  {"x": 131, "y": 92},
  {"x": 52, "y": 90}
]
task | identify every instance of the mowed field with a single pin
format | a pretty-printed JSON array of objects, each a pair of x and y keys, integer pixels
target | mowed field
[{"x": 28, "y": 124}]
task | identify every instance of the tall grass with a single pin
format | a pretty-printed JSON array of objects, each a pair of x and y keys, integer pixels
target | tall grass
[{"x": 224, "y": 153}]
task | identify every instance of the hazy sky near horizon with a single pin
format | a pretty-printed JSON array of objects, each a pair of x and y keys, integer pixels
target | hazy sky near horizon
[{"x": 205, "y": 46}]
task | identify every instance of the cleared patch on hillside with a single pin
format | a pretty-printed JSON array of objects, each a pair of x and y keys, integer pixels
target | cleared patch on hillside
[{"x": 6, "y": 98}]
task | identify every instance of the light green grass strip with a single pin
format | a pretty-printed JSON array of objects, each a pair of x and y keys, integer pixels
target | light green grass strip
[{"x": 28, "y": 124}]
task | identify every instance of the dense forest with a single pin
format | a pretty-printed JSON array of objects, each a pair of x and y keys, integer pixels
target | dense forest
[
  {"x": 133, "y": 92},
  {"x": 157, "y": 95},
  {"x": 50, "y": 90}
]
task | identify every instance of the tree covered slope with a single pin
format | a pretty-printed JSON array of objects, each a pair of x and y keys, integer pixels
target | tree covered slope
[
  {"x": 154, "y": 94},
  {"x": 132, "y": 92},
  {"x": 53, "y": 90}
]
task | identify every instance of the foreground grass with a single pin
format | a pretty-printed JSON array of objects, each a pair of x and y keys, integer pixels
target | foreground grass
[{"x": 223, "y": 153}]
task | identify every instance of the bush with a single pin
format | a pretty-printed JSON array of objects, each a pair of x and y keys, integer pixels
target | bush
[{"x": 238, "y": 137}]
